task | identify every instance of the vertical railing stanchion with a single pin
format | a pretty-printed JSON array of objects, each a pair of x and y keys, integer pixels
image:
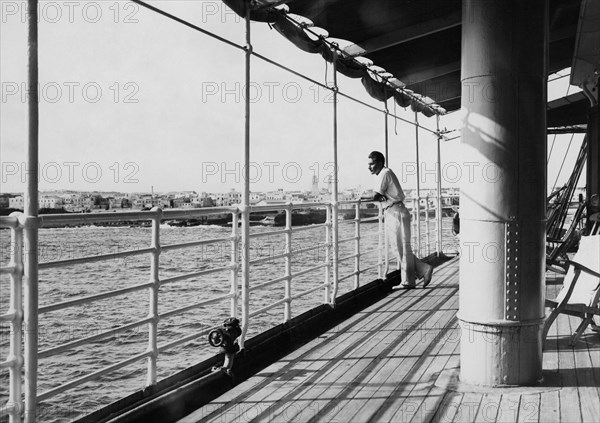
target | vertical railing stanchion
[
  {"x": 439, "y": 189},
  {"x": 31, "y": 221},
  {"x": 418, "y": 209},
  {"x": 357, "y": 247},
  {"x": 153, "y": 312},
  {"x": 327, "y": 299},
  {"x": 288, "y": 264},
  {"x": 235, "y": 266},
  {"x": 427, "y": 223},
  {"x": 386, "y": 113},
  {"x": 245, "y": 209},
  {"x": 383, "y": 246},
  {"x": 334, "y": 194},
  {"x": 415, "y": 223},
  {"x": 15, "y": 402}
]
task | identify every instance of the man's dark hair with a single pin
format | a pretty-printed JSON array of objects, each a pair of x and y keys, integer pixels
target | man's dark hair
[{"x": 377, "y": 157}]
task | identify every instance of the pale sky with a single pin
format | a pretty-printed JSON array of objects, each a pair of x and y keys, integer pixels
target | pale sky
[{"x": 131, "y": 100}]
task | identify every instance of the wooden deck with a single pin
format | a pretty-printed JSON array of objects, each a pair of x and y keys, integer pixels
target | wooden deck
[{"x": 397, "y": 361}]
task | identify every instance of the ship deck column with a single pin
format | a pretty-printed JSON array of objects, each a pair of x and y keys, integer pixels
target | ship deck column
[{"x": 502, "y": 199}]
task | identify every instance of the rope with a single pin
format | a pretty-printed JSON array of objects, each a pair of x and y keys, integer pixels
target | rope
[
  {"x": 551, "y": 148},
  {"x": 559, "y": 210},
  {"x": 563, "y": 161},
  {"x": 188, "y": 24},
  {"x": 395, "y": 120}
]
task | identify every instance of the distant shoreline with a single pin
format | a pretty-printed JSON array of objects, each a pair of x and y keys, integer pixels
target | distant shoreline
[{"x": 299, "y": 218}]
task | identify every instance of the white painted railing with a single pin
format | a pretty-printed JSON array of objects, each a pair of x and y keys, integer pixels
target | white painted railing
[{"x": 429, "y": 238}]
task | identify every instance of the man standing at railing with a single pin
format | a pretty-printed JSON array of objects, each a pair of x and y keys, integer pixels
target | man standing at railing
[{"x": 397, "y": 222}]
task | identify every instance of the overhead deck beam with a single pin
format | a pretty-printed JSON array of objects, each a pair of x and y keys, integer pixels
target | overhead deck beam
[{"x": 405, "y": 34}]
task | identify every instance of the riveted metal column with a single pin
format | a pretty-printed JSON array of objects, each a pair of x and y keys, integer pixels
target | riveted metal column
[
  {"x": 502, "y": 198},
  {"x": 30, "y": 223}
]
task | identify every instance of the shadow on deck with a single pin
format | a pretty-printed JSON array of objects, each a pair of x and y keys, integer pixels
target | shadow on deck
[{"x": 397, "y": 361}]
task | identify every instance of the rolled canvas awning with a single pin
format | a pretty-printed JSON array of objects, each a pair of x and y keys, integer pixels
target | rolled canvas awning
[
  {"x": 301, "y": 31},
  {"x": 416, "y": 43}
]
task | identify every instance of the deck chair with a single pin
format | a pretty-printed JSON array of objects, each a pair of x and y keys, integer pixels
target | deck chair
[
  {"x": 580, "y": 294},
  {"x": 557, "y": 248}
]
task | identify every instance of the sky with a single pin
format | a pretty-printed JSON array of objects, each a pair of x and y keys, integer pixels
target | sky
[{"x": 131, "y": 101}]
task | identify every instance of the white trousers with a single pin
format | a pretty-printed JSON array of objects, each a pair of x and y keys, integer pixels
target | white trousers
[{"x": 397, "y": 227}]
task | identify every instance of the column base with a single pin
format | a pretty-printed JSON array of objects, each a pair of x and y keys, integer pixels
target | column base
[{"x": 501, "y": 354}]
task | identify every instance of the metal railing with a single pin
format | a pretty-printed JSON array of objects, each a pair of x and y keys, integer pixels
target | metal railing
[
  {"x": 15, "y": 407},
  {"x": 328, "y": 285},
  {"x": 428, "y": 226}
]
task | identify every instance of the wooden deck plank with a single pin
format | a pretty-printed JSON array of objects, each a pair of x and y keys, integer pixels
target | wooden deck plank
[
  {"x": 448, "y": 408},
  {"x": 468, "y": 407},
  {"x": 593, "y": 344},
  {"x": 383, "y": 365},
  {"x": 488, "y": 408},
  {"x": 508, "y": 410},
  {"x": 587, "y": 386},
  {"x": 529, "y": 408},
  {"x": 408, "y": 396},
  {"x": 569, "y": 396},
  {"x": 549, "y": 407},
  {"x": 427, "y": 405}
]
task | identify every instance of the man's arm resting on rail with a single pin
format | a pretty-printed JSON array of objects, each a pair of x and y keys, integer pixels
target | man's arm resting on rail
[{"x": 376, "y": 197}]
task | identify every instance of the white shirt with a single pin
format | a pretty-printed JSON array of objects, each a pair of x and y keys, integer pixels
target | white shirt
[{"x": 387, "y": 184}]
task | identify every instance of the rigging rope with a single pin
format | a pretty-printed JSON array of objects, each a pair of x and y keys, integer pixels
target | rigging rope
[
  {"x": 557, "y": 212},
  {"x": 563, "y": 162},
  {"x": 551, "y": 148}
]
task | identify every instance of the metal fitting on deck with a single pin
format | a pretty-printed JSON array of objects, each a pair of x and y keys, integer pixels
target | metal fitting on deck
[{"x": 225, "y": 338}]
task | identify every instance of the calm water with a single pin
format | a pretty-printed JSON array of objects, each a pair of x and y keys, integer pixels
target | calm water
[{"x": 75, "y": 281}]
